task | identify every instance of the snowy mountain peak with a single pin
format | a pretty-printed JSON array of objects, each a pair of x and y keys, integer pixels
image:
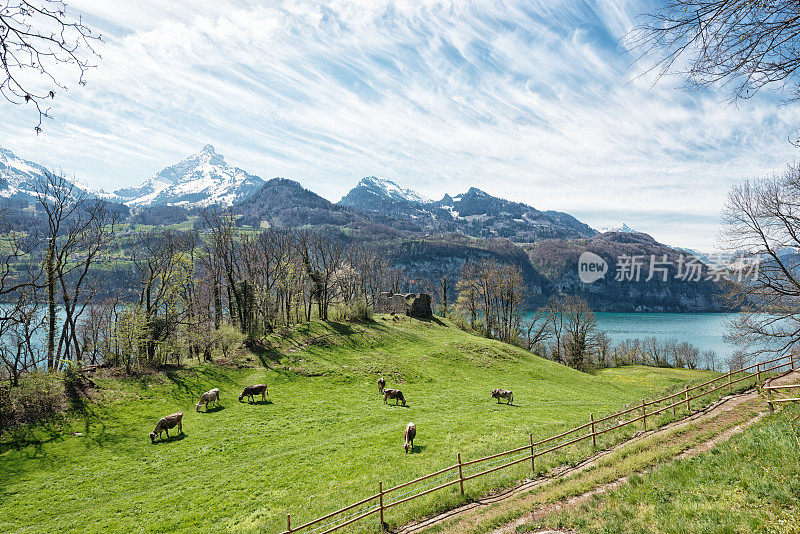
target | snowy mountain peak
[
  {"x": 19, "y": 177},
  {"x": 390, "y": 189},
  {"x": 201, "y": 180},
  {"x": 623, "y": 228}
]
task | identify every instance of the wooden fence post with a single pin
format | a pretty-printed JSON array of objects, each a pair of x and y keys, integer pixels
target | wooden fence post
[
  {"x": 769, "y": 401},
  {"x": 594, "y": 437},
  {"x": 730, "y": 382},
  {"x": 460, "y": 475},
  {"x": 791, "y": 360},
  {"x": 758, "y": 374},
  {"x": 533, "y": 456},
  {"x": 380, "y": 492},
  {"x": 288, "y": 522},
  {"x": 674, "y": 406},
  {"x": 686, "y": 394},
  {"x": 644, "y": 415}
]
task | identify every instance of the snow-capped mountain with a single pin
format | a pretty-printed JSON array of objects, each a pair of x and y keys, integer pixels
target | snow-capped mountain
[
  {"x": 475, "y": 213},
  {"x": 201, "y": 180},
  {"x": 371, "y": 190},
  {"x": 623, "y": 228},
  {"x": 18, "y": 178}
]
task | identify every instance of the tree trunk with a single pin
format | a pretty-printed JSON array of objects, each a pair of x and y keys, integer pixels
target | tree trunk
[{"x": 51, "y": 304}]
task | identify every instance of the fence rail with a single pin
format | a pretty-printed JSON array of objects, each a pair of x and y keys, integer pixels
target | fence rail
[
  {"x": 534, "y": 449},
  {"x": 771, "y": 402}
]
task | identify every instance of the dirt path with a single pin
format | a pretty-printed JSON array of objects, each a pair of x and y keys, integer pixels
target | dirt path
[{"x": 731, "y": 415}]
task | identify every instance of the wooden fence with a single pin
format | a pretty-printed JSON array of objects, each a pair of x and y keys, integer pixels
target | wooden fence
[
  {"x": 771, "y": 402},
  {"x": 386, "y": 499}
]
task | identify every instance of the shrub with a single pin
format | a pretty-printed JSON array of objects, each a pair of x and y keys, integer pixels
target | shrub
[
  {"x": 359, "y": 311},
  {"x": 39, "y": 397},
  {"x": 227, "y": 338}
]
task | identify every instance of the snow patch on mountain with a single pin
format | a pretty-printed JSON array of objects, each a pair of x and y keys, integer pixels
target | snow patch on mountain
[
  {"x": 624, "y": 228},
  {"x": 18, "y": 178},
  {"x": 391, "y": 190},
  {"x": 201, "y": 180}
]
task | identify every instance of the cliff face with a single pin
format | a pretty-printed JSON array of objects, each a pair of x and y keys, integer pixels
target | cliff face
[{"x": 631, "y": 258}]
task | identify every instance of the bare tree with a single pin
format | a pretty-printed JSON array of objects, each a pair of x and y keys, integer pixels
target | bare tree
[
  {"x": 746, "y": 44},
  {"x": 710, "y": 358},
  {"x": 580, "y": 326},
  {"x": 468, "y": 298},
  {"x": 38, "y": 39},
  {"x": 762, "y": 226},
  {"x": 603, "y": 350},
  {"x": 443, "y": 289},
  {"x": 537, "y": 329},
  {"x": 76, "y": 232},
  {"x": 555, "y": 318}
]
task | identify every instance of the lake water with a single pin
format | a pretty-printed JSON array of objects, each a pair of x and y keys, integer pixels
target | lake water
[{"x": 703, "y": 330}]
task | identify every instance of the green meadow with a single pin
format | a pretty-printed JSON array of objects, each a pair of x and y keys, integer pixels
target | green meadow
[{"x": 322, "y": 440}]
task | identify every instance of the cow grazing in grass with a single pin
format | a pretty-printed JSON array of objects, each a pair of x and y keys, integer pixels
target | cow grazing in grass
[
  {"x": 503, "y": 394},
  {"x": 410, "y": 434},
  {"x": 257, "y": 389},
  {"x": 208, "y": 397},
  {"x": 165, "y": 423},
  {"x": 381, "y": 384},
  {"x": 395, "y": 394}
]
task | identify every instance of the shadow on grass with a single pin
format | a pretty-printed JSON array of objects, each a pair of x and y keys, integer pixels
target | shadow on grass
[
  {"x": 212, "y": 409},
  {"x": 343, "y": 329},
  {"x": 170, "y": 439},
  {"x": 94, "y": 426},
  {"x": 258, "y": 402},
  {"x": 416, "y": 449},
  {"x": 194, "y": 381},
  {"x": 266, "y": 355},
  {"x": 20, "y": 438}
]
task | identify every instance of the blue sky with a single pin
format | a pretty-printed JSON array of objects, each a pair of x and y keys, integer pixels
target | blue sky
[{"x": 531, "y": 101}]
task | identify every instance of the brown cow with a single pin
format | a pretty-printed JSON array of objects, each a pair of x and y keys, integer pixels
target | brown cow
[
  {"x": 410, "y": 434},
  {"x": 165, "y": 423},
  {"x": 503, "y": 394},
  {"x": 395, "y": 394},
  {"x": 257, "y": 389}
]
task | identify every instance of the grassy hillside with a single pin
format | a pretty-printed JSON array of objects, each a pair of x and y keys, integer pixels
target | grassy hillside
[
  {"x": 749, "y": 484},
  {"x": 322, "y": 440}
]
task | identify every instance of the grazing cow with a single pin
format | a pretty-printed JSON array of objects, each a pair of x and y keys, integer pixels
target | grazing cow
[
  {"x": 410, "y": 434},
  {"x": 258, "y": 389},
  {"x": 395, "y": 394},
  {"x": 165, "y": 423},
  {"x": 503, "y": 394},
  {"x": 381, "y": 384},
  {"x": 207, "y": 397}
]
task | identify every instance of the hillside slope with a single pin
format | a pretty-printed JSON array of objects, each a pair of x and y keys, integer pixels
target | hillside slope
[{"x": 323, "y": 439}]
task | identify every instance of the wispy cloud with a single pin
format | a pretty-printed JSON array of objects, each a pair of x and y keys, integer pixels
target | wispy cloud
[{"x": 533, "y": 101}]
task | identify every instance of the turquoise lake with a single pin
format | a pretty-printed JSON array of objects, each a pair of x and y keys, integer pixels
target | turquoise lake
[{"x": 703, "y": 330}]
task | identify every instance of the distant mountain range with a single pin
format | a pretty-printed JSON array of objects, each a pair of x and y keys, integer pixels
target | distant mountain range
[
  {"x": 428, "y": 238},
  {"x": 474, "y": 213},
  {"x": 201, "y": 180},
  {"x": 206, "y": 179}
]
